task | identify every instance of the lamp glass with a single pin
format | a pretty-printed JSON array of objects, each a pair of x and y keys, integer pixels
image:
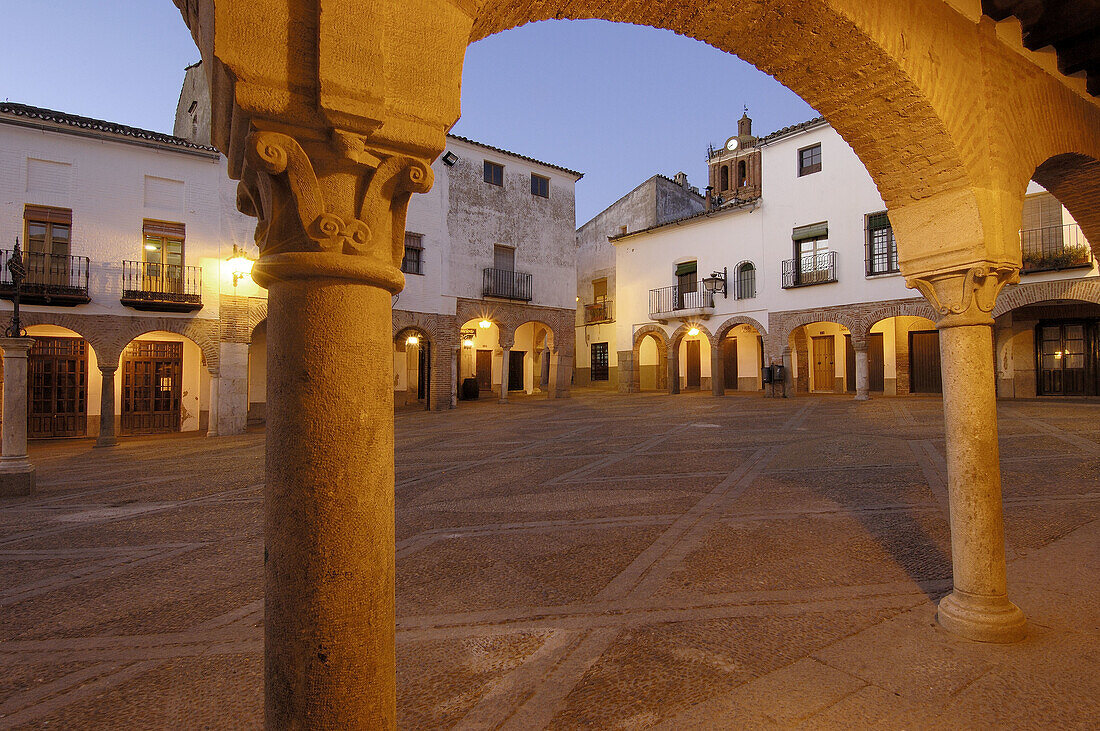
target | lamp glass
[{"x": 485, "y": 324}]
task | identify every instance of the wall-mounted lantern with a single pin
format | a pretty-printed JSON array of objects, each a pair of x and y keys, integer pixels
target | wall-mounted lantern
[
  {"x": 716, "y": 282},
  {"x": 467, "y": 337},
  {"x": 239, "y": 264}
]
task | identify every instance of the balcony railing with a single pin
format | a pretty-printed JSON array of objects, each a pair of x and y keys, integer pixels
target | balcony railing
[
  {"x": 507, "y": 284},
  {"x": 807, "y": 270},
  {"x": 1052, "y": 248},
  {"x": 670, "y": 300},
  {"x": 598, "y": 312},
  {"x": 52, "y": 279},
  {"x": 161, "y": 287}
]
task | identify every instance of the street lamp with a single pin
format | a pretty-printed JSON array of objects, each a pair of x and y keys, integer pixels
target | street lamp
[
  {"x": 715, "y": 282},
  {"x": 18, "y": 271},
  {"x": 239, "y": 264}
]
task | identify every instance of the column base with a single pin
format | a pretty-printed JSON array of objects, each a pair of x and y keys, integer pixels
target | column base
[
  {"x": 862, "y": 397},
  {"x": 111, "y": 442},
  {"x": 980, "y": 618},
  {"x": 16, "y": 478}
]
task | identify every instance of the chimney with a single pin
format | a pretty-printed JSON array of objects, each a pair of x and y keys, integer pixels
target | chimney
[
  {"x": 709, "y": 189},
  {"x": 681, "y": 179}
]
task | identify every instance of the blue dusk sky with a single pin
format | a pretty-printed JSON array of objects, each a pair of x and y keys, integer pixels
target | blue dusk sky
[{"x": 616, "y": 102}]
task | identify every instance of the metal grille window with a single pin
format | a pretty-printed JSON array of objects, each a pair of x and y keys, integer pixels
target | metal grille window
[
  {"x": 413, "y": 261},
  {"x": 882, "y": 249},
  {"x": 540, "y": 186},
  {"x": 746, "y": 281},
  {"x": 494, "y": 173},
  {"x": 809, "y": 160},
  {"x": 600, "y": 368}
]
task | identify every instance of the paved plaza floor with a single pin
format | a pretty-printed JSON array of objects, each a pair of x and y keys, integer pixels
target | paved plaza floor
[{"x": 600, "y": 562}]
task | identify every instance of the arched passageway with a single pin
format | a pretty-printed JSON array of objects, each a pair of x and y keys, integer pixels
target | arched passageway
[
  {"x": 480, "y": 358},
  {"x": 257, "y": 374},
  {"x": 366, "y": 93},
  {"x": 63, "y": 394},
  {"x": 648, "y": 369},
  {"x": 413, "y": 351},
  {"x": 162, "y": 385},
  {"x": 737, "y": 355},
  {"x": 689, "y": 361},
  {"x": 903, "y": 356}
]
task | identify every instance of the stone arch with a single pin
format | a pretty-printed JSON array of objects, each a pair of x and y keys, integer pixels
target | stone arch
[
  {"x": 635, "y": 377},
  {"x": 1084, "y": 290},
  {"x": 781, "y": 336},
  {"x": 203, "y": 333},
  {"x": 441, "y": 332},
  {"x": 257, "y": 312},
  {"x": 82, "y": 326},
  {"x": 909, "y": 308},
  {"x": 728, "y": 324},
  {"x": 674, "y": 351}
]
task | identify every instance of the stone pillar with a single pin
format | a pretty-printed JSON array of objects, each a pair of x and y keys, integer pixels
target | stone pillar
[
  {"x": 629, "y": 377},
  {"x": 232, "y": 388},
  {"x": 506, "y": 352},
  {"x": 16, "y": 471},
  {"x": 788, "y": 372},
  {"x": 212, "y": 417},
  {"x": 978, "y": 608},
  {"x": 717, "y": 370},
  {"x": 107, "y": 436},
  {"x": 544, "y": 370},
  {"x": 863, "y": 377},
  {"x": 673, "y": 369},
  {"x": 561, "y": 372},
  {"x": 332, "y": 215}
]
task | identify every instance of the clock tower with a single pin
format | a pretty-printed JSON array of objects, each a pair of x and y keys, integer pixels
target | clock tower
[{"x": 735, "y": 168}]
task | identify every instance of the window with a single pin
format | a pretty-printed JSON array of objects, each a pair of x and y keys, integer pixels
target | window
[
  {"x": 742, "y": 174},
  {"x": 746, "y": 281},
  {"x": 162, "y": 256},
  {"x": 413, "y": 262},
  {"x": 725, "y": 178},
  {"x": 882, "y": 250},
  {"x": 540, "y": 186},
  {"x": 504, "y": 258},
  {"x": 600, "y": 369},
  {"x": 809, "y": 160},
  {"x": 49, "y": 230},
  {"x": 494, "y": 174},
  {"x": 599, "y": 290}
]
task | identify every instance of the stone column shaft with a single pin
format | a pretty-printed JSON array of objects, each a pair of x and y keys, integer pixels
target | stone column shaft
[
  {"x": 788, "y": 373},
  {"x": 212, "y": 419},
  {"x": 107, "y": 437},
  {"x": 717, "y": 371},
  {"x": 16, "y": 471},
  {"x": 863, "y": 377},
  {"x": 504, "y": 365},
  {"x": 674, "y": 370}
]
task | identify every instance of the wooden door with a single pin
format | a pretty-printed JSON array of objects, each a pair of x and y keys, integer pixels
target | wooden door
[
  {"x": 1062, "y": 359},
  {"x": 485, "y": 370},
  {"x": 599, "y": 371},
  {"x": 694, "y": 371},
  {"x": 824, "y": 363},
  {"x": 849, "y": 365},
  {"x": 152, "y": 382},
  {"x": 515, "y": 370},
  {"x": 924, "y": 362},
  {"x": 57, "y": 388},
  {"x": 876, "y": 363},
  {"x": 729, "y": 362}
]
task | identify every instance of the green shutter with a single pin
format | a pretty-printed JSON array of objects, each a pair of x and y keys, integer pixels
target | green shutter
[
  {"x": 878, "y": 220},
  {"x": 813, "y": 231},
  {"x": 688, "y": 267}
]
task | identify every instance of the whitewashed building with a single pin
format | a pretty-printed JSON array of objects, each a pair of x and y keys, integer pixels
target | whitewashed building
[{"x": 793, "y": 261}]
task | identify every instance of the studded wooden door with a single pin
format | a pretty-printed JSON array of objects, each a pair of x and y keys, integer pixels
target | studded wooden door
[
  {"x": 152, "y": 375},
  {"x": 57, "y": 388},
  {"x": 824, "y": 363}
]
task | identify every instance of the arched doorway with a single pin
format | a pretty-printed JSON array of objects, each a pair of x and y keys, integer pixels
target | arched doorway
[
  {"x": 650, "y": 356},
  {"x": 479, "y": 359},
  {"x": 903, "y": 356},
  {"x": 257, "y": 374},
  {"x": 822, "y": 358},
  {"x": 690, "y": 361},
  {"x": 529, "y": 358},
  {"x": 738, "y": 356},
  {"x": 412, "y": 368},
  {"x": 63, "y": 387},
  {"x": 162, "y": 385}
]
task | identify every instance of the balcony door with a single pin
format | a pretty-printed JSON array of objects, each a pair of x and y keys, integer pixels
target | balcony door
[
  {"x": 48, "y": 243},
  {"x": 687, "y": 283},
  {"x": 162, "y": 257}
]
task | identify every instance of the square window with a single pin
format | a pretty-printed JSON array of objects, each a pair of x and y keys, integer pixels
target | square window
[
  {"x": 809, "y": 160},
  {"x": 494, "y": 173},
  {"x": 540, "y": 186}
]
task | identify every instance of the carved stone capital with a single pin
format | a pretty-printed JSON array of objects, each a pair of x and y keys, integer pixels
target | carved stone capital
[
  {"x": 965, "y": 295},
  {"x": 332, "y": 209}
]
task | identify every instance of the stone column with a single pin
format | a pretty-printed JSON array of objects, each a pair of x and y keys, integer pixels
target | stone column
[
  {"x": 673, "y": 369},
  {"x": 212, "y": 417},
  {"x": 544, "y": 370},
  {"x": 629, "y": 378},
  {"x": 561, "y": 371},
  {"x": 16, "y": 471},
  {"x": 232, "y": 388},
  {"x": 107, "y": 436},
  {"x": 863, "y": 378},
  {"x": 506, "y": 351},
  {"x": 332, "y": 216},
  {"x": 978, "y": 608},
  {"x": 788, "y": 372},
  {"x": 717, "y": 370}
]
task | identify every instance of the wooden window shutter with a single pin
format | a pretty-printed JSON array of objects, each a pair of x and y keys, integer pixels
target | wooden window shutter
[
  {"x": 48, "y": 214},
  {"x": 163, "y": 228}
]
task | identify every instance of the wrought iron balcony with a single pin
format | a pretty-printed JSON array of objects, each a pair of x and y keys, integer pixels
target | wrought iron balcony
[
  {"x": 1052, "y": 248},
  {"x": 52, "y": 279},
  {"x": 668, "y": 302},
  {"x": 507, "y": 284},
  {"x": 161, "y": 287},
  {"x": 808, "y": 270},
  {"x": 597, "y": 313}
]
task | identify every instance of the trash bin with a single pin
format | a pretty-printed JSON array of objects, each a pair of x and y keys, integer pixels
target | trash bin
[{"x": 469, "y": 389}]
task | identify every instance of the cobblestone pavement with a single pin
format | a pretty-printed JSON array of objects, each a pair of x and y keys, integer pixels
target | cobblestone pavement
[{"x": 601, "y": 562}]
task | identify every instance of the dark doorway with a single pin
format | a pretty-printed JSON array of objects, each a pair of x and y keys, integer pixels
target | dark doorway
[
  {"x": 600, "y": 371},
  {"x": 485, "y": 370},
  {"x": 876, "y": 363},
  {"x": 729, "y": 362},
  {"x": 1063, "y": 355},
  {"x": 924, "y": 362},
  {"x": 515, "y": 370},
  {"x": 694, "y": 372},
  {"x": 424, "y": 372},
  {"x": 57, "y": 384},
  {"x": 152, "y": 375},
  {"x": 849, "y": 365}
]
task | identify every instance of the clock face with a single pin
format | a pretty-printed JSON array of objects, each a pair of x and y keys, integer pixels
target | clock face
[{"x": 732, "y": 143}]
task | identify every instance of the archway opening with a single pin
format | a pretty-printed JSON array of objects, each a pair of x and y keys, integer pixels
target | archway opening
[
  {"x": 412, "y": 368},
  {"x": 741, "y": 351},
  {"x": 162, "y": 385},
  {"x": 257, "y": 374},
  {"x": 64, "y": 387},
  {"x": 822, "y": 358},
  {"x": 692, "y": 361},
  {"x": 479, "y": 359},
  {"x": 903, "y": 356}
]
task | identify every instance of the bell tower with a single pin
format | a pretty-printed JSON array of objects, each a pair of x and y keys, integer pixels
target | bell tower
[{"x": 735, "y": 168}]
